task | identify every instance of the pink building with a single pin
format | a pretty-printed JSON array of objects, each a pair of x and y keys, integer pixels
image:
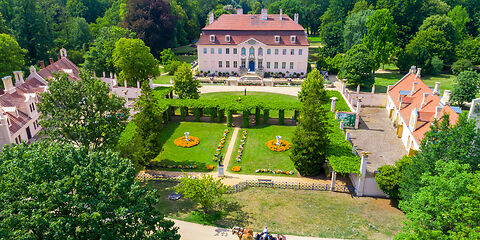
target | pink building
[{"x": 259, "y": 43}]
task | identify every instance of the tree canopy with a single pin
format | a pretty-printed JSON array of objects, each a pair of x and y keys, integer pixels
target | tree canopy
[
  {"x": 11, "y": 57},
  {"x": 465, "y": 88},
  {"x": 185, "y": 86},
  {"x": 358, "y": 66},
  {"x": 380, "y": 38}
]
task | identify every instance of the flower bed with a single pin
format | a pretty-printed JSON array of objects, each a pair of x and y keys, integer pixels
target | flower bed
[
  {"x": 238, "y": 158},
  {"x": 263, "y": 170},
  {"x": 236, "y": 169},
  {"x": 284, "y": 145},
  {"x": 177, "y": 166},
  {"x": 210, "y": 167},
  {"x": 182, "y": 142},
  {"x": 221, "y": 144}
]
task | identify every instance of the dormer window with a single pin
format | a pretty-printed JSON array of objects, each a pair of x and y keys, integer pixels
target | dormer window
[
  {"x": 212, "y": 38},
  {"x": 277, "y": 39},
  {"x": 293, "y": 39},
  {"x": 227, "y": 38},
  {"x": 9, "y": 123}
]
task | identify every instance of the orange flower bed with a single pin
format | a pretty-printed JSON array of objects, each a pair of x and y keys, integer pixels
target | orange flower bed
[
  {"x": 209, "y": 167},
  {"x": 181, "y": 142},
  {"x": 236, "y": 169},
  {"x": 284, "y": 145}
]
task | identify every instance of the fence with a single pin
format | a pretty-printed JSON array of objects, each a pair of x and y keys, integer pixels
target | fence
[{"x": 260, "y": 183}]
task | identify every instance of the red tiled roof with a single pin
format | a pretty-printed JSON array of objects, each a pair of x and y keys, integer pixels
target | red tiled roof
[
  {"x": 410, "y": 102},
  {"x": 266, "y": 37},
  {"x": 60, "y": 66},
  {"x": 17, "y": 122},
  {"x": 254, "y": 22}
]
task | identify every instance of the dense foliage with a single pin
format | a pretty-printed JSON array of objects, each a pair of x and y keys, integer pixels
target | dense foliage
[
  {"x": 205, "y": 190},
  {"x": 465, "y": 88},
  {"x": 185, "y": 86},
  {"x": 11, "y": 55},
  {"x": 57, "y": 191}
]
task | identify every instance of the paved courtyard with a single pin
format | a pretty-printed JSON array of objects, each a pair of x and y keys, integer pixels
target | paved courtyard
[{"x": 377, "y": 135}]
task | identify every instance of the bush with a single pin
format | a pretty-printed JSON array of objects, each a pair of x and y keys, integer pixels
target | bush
[
  {"x": 172, "y": 67},
  {"x": 404, "y": 61},
  {"x": 334, "y": 64},
  {"x": 266, "y": 116},
  {"x": 220, "y": 115},
  {"x": 183, "y": 113},
  {"x": 257, "y": 116},
  {"x": 197, "y": 112},
  {"x": 246, "y": 119},
  {"x": 195, "y": 189},
  {"x": 387, "y": 179},
  {"x": 461, "y": 65},
  {"x": 281, "y": 117},
  {"x": 213, "y": 114},
  {"x": 436, "y": 65},
  {"x": 229, "y": 118}
]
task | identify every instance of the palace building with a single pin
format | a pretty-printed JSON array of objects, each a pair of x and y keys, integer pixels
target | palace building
[
  {"x": 260, "y": 43},
  {"x": 412, "y": 106}
]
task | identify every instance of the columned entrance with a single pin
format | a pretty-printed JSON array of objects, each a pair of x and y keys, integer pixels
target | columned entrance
[{"x": 251, "y": 66}]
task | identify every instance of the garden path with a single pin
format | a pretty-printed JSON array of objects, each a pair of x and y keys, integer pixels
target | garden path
[{"x": 231, "y": 147}]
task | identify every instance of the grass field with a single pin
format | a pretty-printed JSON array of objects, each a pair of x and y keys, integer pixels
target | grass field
[
  {"x": 307, "y": 213},
  {"x": 164, "y": 79},
  {"x": 257, "y": 155},
  {"x": 186, "y": 53},
  {"x": 382, "y": 80},
  {"x": 200, "y": 155}
]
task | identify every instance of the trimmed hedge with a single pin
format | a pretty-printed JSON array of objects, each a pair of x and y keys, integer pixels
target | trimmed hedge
[
  {"x": 213, "y": 114},
  {"x": 257, "y": 116},
  {"x": 220, "y": 115},
  {"x": 183, "y": 113},
  {"x": 197, "y": 112},
  {"x": 281, "y": 117},
  {"x": 266, "y": 116},
  {"x": 246, "y": 119},
  {"x": 229, "y": 118}
]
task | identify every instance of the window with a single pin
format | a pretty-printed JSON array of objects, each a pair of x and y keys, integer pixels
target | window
[
  {"x": 284, "y": 51},
  {"x": 220, "y": 64},
  {"x": 244, "y": 64},
  {"x": 251, "y": 51},
  {"x": 227, "y": 64},
  {"x": 275, "y": 65},
  {"x": 292, "y": 52},
  {"x": 277, "y": 39},
  {"x": 212, "y": 50},
  {"x": 276, "y": 51},
  {"x": 212, "y": 38},
  {"x": 219, "y": 51},
  {"x": 268, "y": 64},
  {"x": 244, "y": 51},
  {"x": 300, "y": 51},
  {"x": 16, "y": 140},
  {"x": 284, "y": 65},
  {"x": 260, "y": 64},
  {"x": 227, "y": 50},
  {"x": 234, "y": 51},
  {"x": 204, "y": 51},
  {"x": 291, "y": 65},
  {"x": 34, "y": 125},
  {"x": 260, "y": 52},
  {"x": 269, "y": 51},
  {"x": 33, "y": 106},
  {"x": 293, "y": 39},
  {"x": 235, "y": 65},
  {"x": 227, "y": 38}
]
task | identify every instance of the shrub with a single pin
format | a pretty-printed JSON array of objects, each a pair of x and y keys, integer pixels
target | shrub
[
  {"x": 257, "y": 116},
  {"x": 220, "y": 115},
  {"x": 436, "y": 65},
  {"x": 172, "y": 67},
  {"x": 461, "y": 65},
  {"x": 266, "y": 116},
  {"x": 281, "y": 117},
  {"x": 246, "y": 118},
  {"x": 195, "y": 189},
  {"x": 197, "y": 112},
  {"x": 213, "y": 114},
  {"x": 229, "y": 118},
  {"x": 334, "y": 64},
  {"x": 183, "y": 113},
  {"x": 387, "y": 179}
]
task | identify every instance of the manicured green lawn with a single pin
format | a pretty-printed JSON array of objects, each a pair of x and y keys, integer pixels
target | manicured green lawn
[
  {"x": 382, "y": 80},
  {"x": 164, "y": 79},
  {"x": 200, "y": 155},
  {"x": 187, "y": 58},
  {"x": 257, "y": 155},
  {"x": 295, "y": 212}
]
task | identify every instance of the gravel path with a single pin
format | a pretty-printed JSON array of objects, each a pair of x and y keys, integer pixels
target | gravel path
[{"x": 230, "y": 148}]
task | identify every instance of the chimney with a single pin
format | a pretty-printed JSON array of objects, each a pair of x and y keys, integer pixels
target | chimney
[
  {"x": 42, "y": 64},
  {"x": 413, "y": 88},
  {"x": 413, "y": 69},
  {"x": 281, "y": 14},
  {"x": 264, "y": 14},
  {"x": 18, "y": 78},
  {"x": 436, "y": 90},
  {"x": 63, "y": 53},
  {"x": 446, "y": 97},
  {"x": 296, "y": 18},
  {"x": 7, "y": 83},
  {"x": 58, "y": 57},
  {"x": 33, "y": 69},
  {"x": 240, "y": 11},
  {"x": 211, "y": 18},
  {"x": 418, "y": 75},
  {"x": 51, "y": 61},
  {"x": 438, "y": 110},
  {"x": 424, "y": 100},
  {"x": 138, "y": 84}
]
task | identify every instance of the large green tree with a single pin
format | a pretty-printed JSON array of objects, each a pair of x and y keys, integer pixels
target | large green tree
[
  {"x": 133, "y": 61},
  {"x": 11, "y": 56},
  {"x": 460, "y": 19},
  {"x": 355, "y": 29},
  {"x": 82, "y": 112},
  {"x": 358, "y": 66},
  {"x": 381, "y": 36},
  {"x": 99, "y": 58},
  {"x": 465, "y": 88},
  {"x": 58, "y": 191},
  {"x": 185, "y": 86},
  {"x": 469, "y": 49}
]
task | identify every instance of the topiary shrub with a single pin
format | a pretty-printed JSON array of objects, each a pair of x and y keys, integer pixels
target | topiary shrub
[
  {"x": 246, "y": 119},
  {"x": 220, "y": 115},
  {"x": 229, "y": 118},
  {"x": 281, "y": 117},
  {"x": 461, "y": 65},
  {"x": 183, "y": 113},
  {"x": 213, "y": 114},
  {"x": 387, "y": 179},
  {"x": 257, "y": 116},
  {"x": 197, "y": 112},
  {"x": 266, "y": 116}
]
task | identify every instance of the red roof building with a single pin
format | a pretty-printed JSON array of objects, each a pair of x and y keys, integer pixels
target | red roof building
[
  {"x": 412, "y": 106},
  {"x": 239, "y": 43}
]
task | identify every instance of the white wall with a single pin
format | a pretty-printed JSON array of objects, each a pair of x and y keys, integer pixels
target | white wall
[
  {"x": 407, "y": 137},
  {"x": 370, "y": 188}
]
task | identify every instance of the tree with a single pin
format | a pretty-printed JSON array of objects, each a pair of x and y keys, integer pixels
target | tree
[
  {"x": 310, "y": 142},
  {"x": 388, "y": 177},
  {"x": 147, "y": 144},
  {"x": 114, "y": 16},
  {"x": 447, "y": 205},
  {"x": 153, "y": 23},
  {"x": 76, "y": 34},
  {"x": 57, "y": 191},
  {"x": 460, "y": 19},
  {"x": 332, "y": 37},
  {"x": 442, "y": 23},
  {"x": 3, "y": 26},
  {"x": 436, "y": 65},
  {"x": 12, "y": 55},
  {"x": 461, "y": 65},
  {"x": 133, "y": 61},
  {"x": 355, "y": 29},
  {"x": 184, "y": 85},
  {"x": 358, "y": 66},
  {"x": 381, "y": 36},
  {"x": 466, "y": 87},
  {"x": 81, "y": 112},
  {"x": 167, "y": 56},
  {"x": 204, "y": 190},
  {"x": 469, "y": 49},
  {"x": 99, "y": 57},
  {"x": 172, "y": 67}
]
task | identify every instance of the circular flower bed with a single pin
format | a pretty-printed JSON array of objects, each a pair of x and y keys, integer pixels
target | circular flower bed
[
  {"x": 284, "y": 145},
  {"x": 210, "y": 167},
  {"x": 182, "y": 142},
  {"x": 236, "y": 169}
]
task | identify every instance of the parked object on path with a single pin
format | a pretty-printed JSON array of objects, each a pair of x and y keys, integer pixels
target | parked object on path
[
  {"x": 247, "y": 234},
  {"x": 174, "y": 196}
]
